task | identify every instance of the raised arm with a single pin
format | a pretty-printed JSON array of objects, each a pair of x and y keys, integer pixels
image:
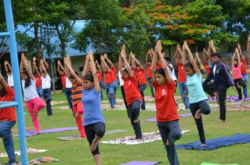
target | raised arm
[
  {"x": 211, "y": 44},
  {"x": 120, "y": 64},
  {"x": 5, "y": 66},
  {"x": 146, "y": 58},
  {"x": 176, "y": 56},
  {"x": 21, "y": 67},
  {"x": 60, "y": 68},
  {"x": 67, "y": 63},
  {"x": 239, "y": 48},
  {"x": 158, "y": 48},
  {"x": 204, "y": 55},
  {"x": 198, "y": 58},
  {"x": 135, "y": 60},
  {"x": 153, "y": 66},
  {"x": 104, "y": 64},
  {"x": 26, "y": 66},
  {"x": 108, "y": 60},
  {"x": 132, "y": 60},
  {"x": 86, "y": 66},
  {"x": 191, "y": 58},
  {"x": 46, "y": 65},
  {"x": 35, "y": 69},
  {"x": 123, "y": 55},
  {"x": 94, "y": 72},
  {"x": 238, "y": 56},
  {"x": 232, "y": 62},
  {"x": 3, "y": 82},
  {"x": 42, "y": 67}
]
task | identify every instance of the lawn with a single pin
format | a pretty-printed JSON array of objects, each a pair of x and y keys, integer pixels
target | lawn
[{"x": 76, "y": 152}]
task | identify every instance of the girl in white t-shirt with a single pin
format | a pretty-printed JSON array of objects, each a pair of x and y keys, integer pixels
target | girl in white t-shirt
[
  {"x": 33, "y": 102},
  {"x": 9, "y": 74},
  {"x": 46, "y": 85}
]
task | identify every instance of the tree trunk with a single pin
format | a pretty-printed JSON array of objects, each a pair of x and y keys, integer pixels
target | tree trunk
[{"x": 37, "y": 42}]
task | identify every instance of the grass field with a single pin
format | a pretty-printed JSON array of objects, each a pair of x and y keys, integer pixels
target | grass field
[{"x": 76, "y": 152}]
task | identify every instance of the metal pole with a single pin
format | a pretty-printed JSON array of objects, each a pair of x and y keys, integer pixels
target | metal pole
[{"x": 17, "y": 86}]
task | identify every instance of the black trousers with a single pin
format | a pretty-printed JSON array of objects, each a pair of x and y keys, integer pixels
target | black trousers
[
  {"x": 210, "y": 89},
  {"x": 134, "y": 112},
  {"x": 124, "y": 98},
  {"x": 205, "y": 109},
  {"x": 242, "y": 83},
  {"x": 92, "y": 130}
]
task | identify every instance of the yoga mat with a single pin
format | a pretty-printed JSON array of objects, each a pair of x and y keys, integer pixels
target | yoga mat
[
  {"x": 27, "y": 128},
  {"x": 67, "y": 138},
  {"x": 217, "y": 143},
  {"x": 141, "y": 163},
  {"x": 31, "y": 132},
  {"x": 216, "y": 164},
  {"x": 180, "y": 115},
  {"x": 114, "y": 132}
]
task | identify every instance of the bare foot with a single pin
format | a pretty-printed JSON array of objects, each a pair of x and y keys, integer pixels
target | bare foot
[
  {"x": 202, "y": 145},
  {"x": 168, "y": 143},
  {"x": 137, "y": 120},
  {"x": 93, "y": 146},
  {"x": 223, "y": 121},
  {"x": 197, "y": 114}
]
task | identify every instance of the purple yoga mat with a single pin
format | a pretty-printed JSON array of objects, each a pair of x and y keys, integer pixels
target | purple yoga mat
[
  {"x": 180, "y": 115},
  {"x": 141, "y": 163},
  {"x": 31, "y": 132}
]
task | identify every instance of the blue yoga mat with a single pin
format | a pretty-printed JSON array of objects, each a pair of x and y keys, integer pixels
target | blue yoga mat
[{"x": 216, "y": 143}]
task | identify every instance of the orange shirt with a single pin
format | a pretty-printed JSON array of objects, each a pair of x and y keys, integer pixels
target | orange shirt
[
  {"x": 8, "y": 114},
  {"x": 141, "y": 76},
  {"x": 76, "y": 91},
  {"x": 131, "y": 89},
  {"x": 243, "y": 67},
  {"x": 38, "y": 81},
  {"x": 159, "y": 65},
  {"x": 149, "y": 74},
  {"x": 63, "y": 79},
  {"x": 207, "y": 68},
  {"x": 181, "y": 73},
  {"x": 99, "y": 76},
  {"x": 165, "y": 103},
  {"x": 114, "y": 73}
]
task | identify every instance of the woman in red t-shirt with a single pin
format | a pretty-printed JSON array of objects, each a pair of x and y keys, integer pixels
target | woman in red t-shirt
[
  {"x": 110, "y": 80},
  {"x": 149, "y": 75},
  {"x": 166, "y": 111},
  {"x": 132, "y": 94},
  {"x": 7, "y": 120},
  {"x": 141, "y": 75}
]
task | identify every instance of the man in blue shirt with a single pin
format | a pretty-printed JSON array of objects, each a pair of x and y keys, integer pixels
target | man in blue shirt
[{"x": 222, "y": 81}]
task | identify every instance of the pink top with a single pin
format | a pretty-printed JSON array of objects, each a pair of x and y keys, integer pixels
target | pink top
[{"x": 236, "y": 72}]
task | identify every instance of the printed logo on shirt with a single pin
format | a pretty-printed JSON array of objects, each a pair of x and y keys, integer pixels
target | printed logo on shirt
[
  {"x": 217, "y": 71},
  {"x": 163, "y": 92},
  {"x": 129, "y": 83}
]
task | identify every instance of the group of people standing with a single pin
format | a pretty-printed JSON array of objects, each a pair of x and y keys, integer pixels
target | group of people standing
[{"x": 84, "y": 94}]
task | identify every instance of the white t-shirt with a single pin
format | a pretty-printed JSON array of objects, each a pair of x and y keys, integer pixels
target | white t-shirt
[
  {"x": 30, "y": 92},
  {"x": 68, "y": 83},
  {"x": 10, "y": 80},
  {"x": 46, "y": 84},
  {"x": 120, "y": 79},
  {"x": 171, "y": 72}
]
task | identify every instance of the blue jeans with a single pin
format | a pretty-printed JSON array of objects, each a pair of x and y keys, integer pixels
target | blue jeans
[
  {"x": 5, "y": 132},
  {"x": 150, "y": 85},
  {"x": 183, "y": 90},
  {"x": 102, "y": 85},
  {"x": 110, "y": 91},
  {"x": 245, "y": 76},
  {"x": 40, "y": 91},
  {"x": 48, "y": 97},
  {"x": 142, "y": 88},
  {"x": 170, "y": 131},
  {"x": 67, "y": 92}
]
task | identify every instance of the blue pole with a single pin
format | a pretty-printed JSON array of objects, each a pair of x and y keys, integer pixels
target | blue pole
[{"x": 16, "y": 75}]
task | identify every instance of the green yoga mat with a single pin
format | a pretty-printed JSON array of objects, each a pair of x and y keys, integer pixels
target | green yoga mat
[{"x": 216, "y": 164}]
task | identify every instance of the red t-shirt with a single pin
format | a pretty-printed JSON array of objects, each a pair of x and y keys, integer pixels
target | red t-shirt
[
  {"x": 114, "y": 72},
  {"x": 63, "y": 78},
  {"x": 159, "y": 65},
  {"x": 165, "y": 103},
  {"x": 141, "y": 76},
  {"x": 38, "y": 81},
  {"x": 243, "y": 67},
  {"x": 181, "y": 73},
  {"x": 109, "y": 77},
  {"x": 149, "y": 74},
  {"x": 8, "y": 114},
  {"x": 207, "y": 68},
  {"x": 131, "y": 89},
  {"x": 99, "y": 76}
]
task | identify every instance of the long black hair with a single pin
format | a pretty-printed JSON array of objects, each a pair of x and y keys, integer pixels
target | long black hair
[
  {"x": 88, "y": 77},
  {"x": 160, "y": 71},
  {"x": 71, "y": 76},
  {"x": 189, "y": 65},
  {"x": 27, "y": 81}
]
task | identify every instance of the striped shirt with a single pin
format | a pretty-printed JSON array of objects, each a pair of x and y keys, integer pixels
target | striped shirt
[{"x": 76, "y": 91}]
